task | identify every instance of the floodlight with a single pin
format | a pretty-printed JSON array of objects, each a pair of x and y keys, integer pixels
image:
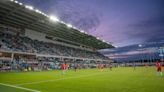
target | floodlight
[
  {"x": 16, "y": 2},
  {"x": 20, "y": 4},
  {"x": 29, "y": 7},
  {"x": 42, "y": 13},
  {"x": 39, "y": 11},
  {"x": 46, "y": 15},
  {"x": 82, "y": 31},
  {"x": 85, "y": 32},
  {"x": 103, "y": 40},
  {"x": 36, "y": 10},
  {"x": 116, "y": 46},
  {"x": 69, "y": 25},
  {"x": 140, "y": 45},
  {"x": 62, "y": 22},
  {"x": 53, "y": 18}
]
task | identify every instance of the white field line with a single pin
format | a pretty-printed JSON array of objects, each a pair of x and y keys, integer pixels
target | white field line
[
  {"x": 37, "y": 82},
  {"x": 18, "y": 87}
]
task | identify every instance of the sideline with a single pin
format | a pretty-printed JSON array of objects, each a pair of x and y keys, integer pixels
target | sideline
[{"x": 18, "y": 87}]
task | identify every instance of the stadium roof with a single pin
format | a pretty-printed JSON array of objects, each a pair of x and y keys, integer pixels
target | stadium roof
[{"x": 15, "y": 14}]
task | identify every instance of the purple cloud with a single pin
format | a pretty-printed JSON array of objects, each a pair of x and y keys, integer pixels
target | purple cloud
[{"x": 122, "y": 22}]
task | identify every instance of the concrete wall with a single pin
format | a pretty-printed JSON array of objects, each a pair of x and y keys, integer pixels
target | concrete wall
[{"x": 41, "y": 37}]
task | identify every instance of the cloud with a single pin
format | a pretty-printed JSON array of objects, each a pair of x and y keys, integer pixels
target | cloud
[
  {"x": 79, "y": 14},
  {"x": 149, "y": 30},
  {"x": 149, "y": 47},
  {"x": 121, "y": 22}
]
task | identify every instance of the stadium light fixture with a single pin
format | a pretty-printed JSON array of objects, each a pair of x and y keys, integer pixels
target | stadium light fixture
[
  {"x": 103, "y": 40},
  {"x": 62, "y": 22},
  {"x": 74, "y": 27},
  {"x": 116, "y": 46},
  {"x": 69, "y": 25},
  {"x": 42, "y": 13},
  {"x": 82, "y": 31},
  {"x": 29, "y": 7},
  {"x": 46, "y": 15},
  {"x": 11, "y": 0},
  {"x": 38, "y": 11},
  {"x": 16, "y": 2},
  {"x": 98, "y": 38},
  {"x": 140, "y": 45},
  {"x": 85, "y": 32},
  {"x": 20, "y": 4},
  {"x": 53, "y": 18}
]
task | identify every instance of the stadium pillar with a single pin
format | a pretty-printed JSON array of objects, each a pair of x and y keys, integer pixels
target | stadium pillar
[
  {"x": 12, "y": 57},
  {"x": 61, "y": 59}
]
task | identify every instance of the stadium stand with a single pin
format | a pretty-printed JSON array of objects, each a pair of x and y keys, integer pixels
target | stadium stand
[
  {"x": 31, "y": 40},
  {"x": 24, "y": 44}
]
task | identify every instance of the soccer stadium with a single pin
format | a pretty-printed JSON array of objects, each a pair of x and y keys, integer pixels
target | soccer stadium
[{"x": 42, "y": 52}]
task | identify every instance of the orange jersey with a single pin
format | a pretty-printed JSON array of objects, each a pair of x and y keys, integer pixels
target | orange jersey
[
  {"x": 63, "y": 66},
  {"x": 159, "y": 65}
]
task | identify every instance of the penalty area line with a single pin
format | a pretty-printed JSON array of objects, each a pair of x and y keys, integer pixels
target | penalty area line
[{"x": 18, "y": 87}]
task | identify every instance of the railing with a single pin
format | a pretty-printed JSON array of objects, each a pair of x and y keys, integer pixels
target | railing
[{"x": 12, "y": 53}]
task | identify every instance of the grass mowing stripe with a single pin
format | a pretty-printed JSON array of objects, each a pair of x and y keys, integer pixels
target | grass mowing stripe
[
  {"x": 18, "y": 87},
  {"x": 60, "y": 79}
]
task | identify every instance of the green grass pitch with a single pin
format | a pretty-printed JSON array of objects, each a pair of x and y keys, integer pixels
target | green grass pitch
[{"x": 85, "y": 80}]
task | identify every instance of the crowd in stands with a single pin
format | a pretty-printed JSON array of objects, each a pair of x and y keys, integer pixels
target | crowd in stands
[
  {"x": 44, "y": 63},
  {"x": 50, "y": 63},
  {"x": 19, "y": 43},
  {"x": 15, "y": 42}
]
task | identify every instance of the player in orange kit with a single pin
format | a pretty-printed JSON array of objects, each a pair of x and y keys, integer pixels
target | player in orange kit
[
  {"x": 159, "y": 69},
  {"x": 63, "y": 68}
]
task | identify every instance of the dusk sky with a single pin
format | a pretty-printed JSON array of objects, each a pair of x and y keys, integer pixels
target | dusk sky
[{"x": 122, "y": 22}]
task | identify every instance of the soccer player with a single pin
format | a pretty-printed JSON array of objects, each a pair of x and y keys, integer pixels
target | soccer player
[
  {"x": 101, "y": 67},
  {"x": 66, "y": 66},
  {"x": 145, "y": 65},
  {"x": 159, "y": 69},
  {"x": 134, "y": 66},
  {"x": 63, "y": 67},
  {"x": 75, "y": 67},
  {"x": 110, "y": 66}
]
